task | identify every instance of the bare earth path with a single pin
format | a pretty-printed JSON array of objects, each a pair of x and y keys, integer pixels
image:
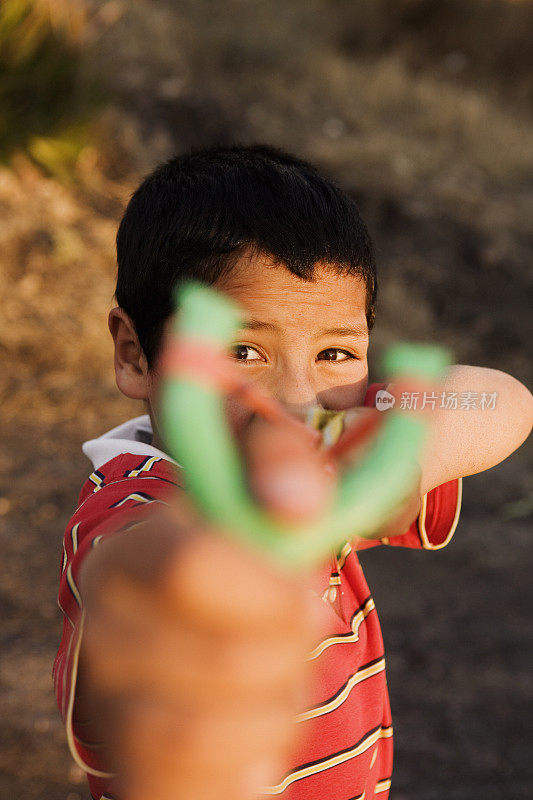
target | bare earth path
[{"x": 442, "y": 169}]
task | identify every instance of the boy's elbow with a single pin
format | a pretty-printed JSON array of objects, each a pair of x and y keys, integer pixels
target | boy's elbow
[
  {"x": 522, "y": 401},
  {"x": 514, "y": 417}
]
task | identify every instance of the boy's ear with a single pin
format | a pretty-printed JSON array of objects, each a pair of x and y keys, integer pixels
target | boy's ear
[{"x": 131, "y": 366}]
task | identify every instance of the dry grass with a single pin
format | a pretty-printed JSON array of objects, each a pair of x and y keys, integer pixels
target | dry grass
[{"x": 57, "y": 283}]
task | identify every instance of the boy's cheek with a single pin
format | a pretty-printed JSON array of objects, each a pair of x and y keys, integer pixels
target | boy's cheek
[{"x": 340, "y": 398}]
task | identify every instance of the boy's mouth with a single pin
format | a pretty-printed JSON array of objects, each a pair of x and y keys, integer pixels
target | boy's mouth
[{"x": 330, "y": 423}]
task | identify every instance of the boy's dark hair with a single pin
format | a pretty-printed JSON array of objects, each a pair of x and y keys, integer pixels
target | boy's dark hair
[{"x": 193, "y": 216}]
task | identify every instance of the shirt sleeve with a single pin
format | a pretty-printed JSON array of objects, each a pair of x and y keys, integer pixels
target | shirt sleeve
[
  {"x": 437, "y": 520},
  {"x": 106, "y": 509}
]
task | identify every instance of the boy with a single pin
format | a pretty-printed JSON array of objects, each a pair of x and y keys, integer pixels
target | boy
[{"x": 190, "y": 666}]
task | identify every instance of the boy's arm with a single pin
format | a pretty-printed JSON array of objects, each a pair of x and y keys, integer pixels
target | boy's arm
[
  {"x": 490, "y": 414},
  {"x": 193, "y": 654},
  {"x": 477, "y": 417}
]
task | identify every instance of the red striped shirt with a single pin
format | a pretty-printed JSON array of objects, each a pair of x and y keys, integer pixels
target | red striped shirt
[{"x": 345, "y": 749}]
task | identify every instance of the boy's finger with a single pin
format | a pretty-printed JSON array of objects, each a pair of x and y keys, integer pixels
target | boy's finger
[{"x": 285, "y": 473}]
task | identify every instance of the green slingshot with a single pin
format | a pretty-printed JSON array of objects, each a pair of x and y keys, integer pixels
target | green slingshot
[{"x": 199, "y": 438}]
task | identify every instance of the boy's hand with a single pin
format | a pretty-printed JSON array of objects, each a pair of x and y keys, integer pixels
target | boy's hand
[
  {"x": 193, "y": 657},
  {"x": 404, "y": 516},
  {"x": 408, "y": 511}
]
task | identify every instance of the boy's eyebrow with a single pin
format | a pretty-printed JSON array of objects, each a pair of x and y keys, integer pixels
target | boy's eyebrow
[
  {"x": 359, "y": 331},
  {"x": 356, "y": 330},
  {"x": 257, "y": 325}
]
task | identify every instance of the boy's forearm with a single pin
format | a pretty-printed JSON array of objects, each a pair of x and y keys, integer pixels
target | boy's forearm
[{"x": 481, "y": 417}]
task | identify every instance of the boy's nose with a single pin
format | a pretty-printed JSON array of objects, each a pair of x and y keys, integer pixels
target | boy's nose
[
  {"x": 297, "y": 396},
  {"x": 299, "y": 410}
]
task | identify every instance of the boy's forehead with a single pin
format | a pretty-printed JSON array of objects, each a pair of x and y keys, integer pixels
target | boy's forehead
[{"x": 264, "y": 287}]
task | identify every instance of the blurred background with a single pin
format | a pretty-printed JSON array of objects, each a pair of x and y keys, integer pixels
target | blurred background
[{"x": 422, "y": 110}]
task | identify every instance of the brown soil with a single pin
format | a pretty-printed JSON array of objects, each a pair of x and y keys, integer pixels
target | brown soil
[{"x": 441, "y": 164}]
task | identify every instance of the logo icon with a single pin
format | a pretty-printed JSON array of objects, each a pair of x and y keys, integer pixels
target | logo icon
[{"x": 384, "y": 400}]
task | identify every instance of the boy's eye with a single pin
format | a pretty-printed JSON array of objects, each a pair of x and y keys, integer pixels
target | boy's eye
[
  {"x": 334, "y": 354},
  {"x": 243, "y": 352}
]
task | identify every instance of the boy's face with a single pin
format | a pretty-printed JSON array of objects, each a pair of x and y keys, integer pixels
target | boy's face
[{"x": 304, "y": 342}]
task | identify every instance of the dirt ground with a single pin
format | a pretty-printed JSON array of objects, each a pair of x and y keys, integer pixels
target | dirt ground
[{"x": 441, "y": 163}]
